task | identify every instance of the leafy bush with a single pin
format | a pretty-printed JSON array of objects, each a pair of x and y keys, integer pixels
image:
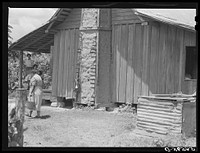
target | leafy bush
[{"x": 41, "y": 59}]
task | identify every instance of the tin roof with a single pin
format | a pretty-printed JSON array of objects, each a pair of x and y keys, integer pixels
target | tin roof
[{"x": 180, "y": 17}]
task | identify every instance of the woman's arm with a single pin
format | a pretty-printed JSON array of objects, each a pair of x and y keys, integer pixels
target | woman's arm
[{"x": 32, "y": 85}]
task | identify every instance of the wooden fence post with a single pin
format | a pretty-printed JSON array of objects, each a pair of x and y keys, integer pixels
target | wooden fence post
[{"x": 16, "y": 120}]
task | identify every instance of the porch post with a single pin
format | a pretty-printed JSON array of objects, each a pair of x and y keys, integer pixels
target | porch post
[
  {"x": 16, "y": 120},
  {"x": 20, "y": 69}
]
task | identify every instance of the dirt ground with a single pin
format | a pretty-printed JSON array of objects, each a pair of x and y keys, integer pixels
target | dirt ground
[{"x": 62, "y": 127}]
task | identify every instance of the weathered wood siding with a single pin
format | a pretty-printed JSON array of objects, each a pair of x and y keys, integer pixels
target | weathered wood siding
[
  {"x": 120, "y": 16},
  {"x": 160, "y": 116},
  {"x": 149, "y": 59},
  {"x": 127, "y": 62},
  {"x": 64, "y": 62},
  {"x": 72, "y": 21}
]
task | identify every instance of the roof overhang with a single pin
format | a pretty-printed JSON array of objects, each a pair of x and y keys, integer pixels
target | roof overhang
[
  {"x": 41, "y": 39},
  {"x": 181, "y": 18}
]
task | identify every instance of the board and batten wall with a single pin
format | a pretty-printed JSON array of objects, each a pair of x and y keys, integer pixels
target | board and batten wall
[
  {"x": 65, "y": 54},
  {"x": 147, "y": 59}
]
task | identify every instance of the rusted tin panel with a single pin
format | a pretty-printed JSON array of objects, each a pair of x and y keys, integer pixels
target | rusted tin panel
[{"x": 160, "y": 116}]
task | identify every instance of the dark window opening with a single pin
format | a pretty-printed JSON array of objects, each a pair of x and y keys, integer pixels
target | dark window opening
[{"x": 191, "y": 63}]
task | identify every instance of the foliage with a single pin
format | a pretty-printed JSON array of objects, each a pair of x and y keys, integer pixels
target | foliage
[
  {"x": 13, "y": 72},
  {"x": 12, "y": 54},
  {"x": 43, "y": 62}
]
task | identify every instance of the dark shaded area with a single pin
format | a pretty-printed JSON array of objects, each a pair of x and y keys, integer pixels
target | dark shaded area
[
  {"x": 25, "y": 129},
  {"x": 41, "y": 117},
  {"x": 45, "y": 116}
]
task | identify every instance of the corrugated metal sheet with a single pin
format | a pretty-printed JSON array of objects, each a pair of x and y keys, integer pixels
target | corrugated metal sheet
[{"x": 160, "y": 116}]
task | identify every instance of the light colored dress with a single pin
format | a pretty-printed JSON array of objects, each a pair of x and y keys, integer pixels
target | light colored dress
[{"x": 36, "y": 82}]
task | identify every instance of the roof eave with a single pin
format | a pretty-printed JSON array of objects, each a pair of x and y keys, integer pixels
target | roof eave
[{"x": 188, "y": 27}]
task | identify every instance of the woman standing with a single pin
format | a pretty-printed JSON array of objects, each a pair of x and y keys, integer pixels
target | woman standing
[{"x": 35, "y": 91}]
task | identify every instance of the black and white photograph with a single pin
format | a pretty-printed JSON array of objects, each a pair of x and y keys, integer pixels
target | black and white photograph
[{"x": 102, "y": 76}]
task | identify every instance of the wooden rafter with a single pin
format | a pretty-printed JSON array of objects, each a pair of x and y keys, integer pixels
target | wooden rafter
[
  {"x": 49, "y": 27},
  {"x": 44, "y": 45},
  {"x": 32, "y": 42},
  {"x": 26, "y": 37}
]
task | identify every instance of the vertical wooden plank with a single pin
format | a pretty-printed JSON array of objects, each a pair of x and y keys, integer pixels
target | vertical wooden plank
[
  {"x": 141, "y": 58},
  {"x": 122, "y": 83},
  {"x": 130, "y": 72},
  {"x": 172, "y": 59},
  {"x": 121, "y": 69},
  {"x": 168, "y": 64},
  {"x": 149, "y": 59},
  {"x": 114, "y": 49},
  {"x": 180, "y": 78},
  {"x": 162, "y": 60},
  {"x": 133, "y": 62},
  {"x": 72, "y": 62},
  {"x": 118, "y": 38},
  {"x": 65, "y": 63},
  {"x": 154, "y": 60},
  {"x": 185, "y": 43},
  {"x": 157, "y": 56},
  {"x": 61, "y": 62},
  {"x": 145, "y": 61},
  {"x": 126, "y": 59},
  {"x": 75, "y": 54},
  {"x": 67, "y": 48},
  {"x": 55, "y": 65},
  {"x": 137, "y": 62},
  {"x": 176, "y": 60}
]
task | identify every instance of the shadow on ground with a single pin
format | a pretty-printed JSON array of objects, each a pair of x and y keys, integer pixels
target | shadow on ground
[
  {"x": 45, "y": 116},
  {"x": 41, "y": 117}
]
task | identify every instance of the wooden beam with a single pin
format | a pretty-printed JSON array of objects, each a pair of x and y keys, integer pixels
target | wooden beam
[
  {"x": 51, "y": 41},
  {"x": 52, "y": 31},
  {"x": 59, "y": 19},
  {"x": 34, "y": 41},
  {"x": 49, "y": 27}
]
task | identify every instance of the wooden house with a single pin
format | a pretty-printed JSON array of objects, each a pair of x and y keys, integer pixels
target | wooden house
[{"x": 118, "y": 54}]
